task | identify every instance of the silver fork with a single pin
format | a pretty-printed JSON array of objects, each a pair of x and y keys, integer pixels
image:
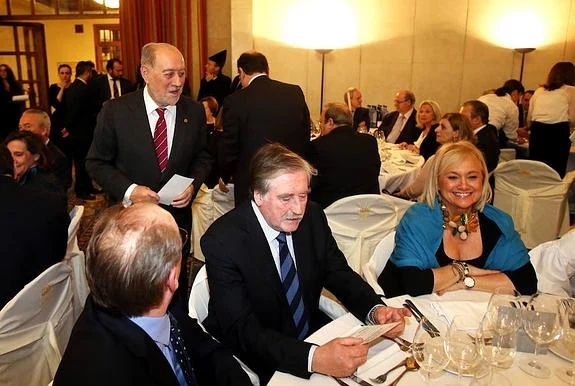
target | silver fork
[{"x": 403, "y": 344}]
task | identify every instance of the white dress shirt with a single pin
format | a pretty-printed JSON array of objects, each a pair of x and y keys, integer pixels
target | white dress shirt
[{"x": 503, "y": 114}]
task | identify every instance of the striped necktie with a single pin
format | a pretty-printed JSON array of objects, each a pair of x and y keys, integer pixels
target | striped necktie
[
  {"x": 161, "y": 140},
  {"x": 291, "y": 287}
]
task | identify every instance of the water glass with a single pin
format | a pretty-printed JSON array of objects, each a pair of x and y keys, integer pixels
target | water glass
[
  {"x": 567, "y": 317},
  {"x": 428, "y": 350},
  {"x": 460, "y": 343}
]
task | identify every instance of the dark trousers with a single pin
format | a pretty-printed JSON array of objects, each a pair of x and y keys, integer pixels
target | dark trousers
[
  {"x": 549, "y": 143},
  {"x": 83, "y": 182}
]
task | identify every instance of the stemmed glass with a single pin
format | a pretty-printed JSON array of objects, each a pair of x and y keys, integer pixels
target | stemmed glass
[
  {"x": 567, "y": 317},
  {"x": 460, "y": 343},
  {"x": 505, "y": 305},
  {"x": 541, "y": 322},
  {"x": 429, "y": 348},
  {"x": 496, "y": 345}
]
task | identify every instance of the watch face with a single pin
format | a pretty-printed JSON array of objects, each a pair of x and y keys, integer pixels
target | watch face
[{"x": 469, "y": 282}]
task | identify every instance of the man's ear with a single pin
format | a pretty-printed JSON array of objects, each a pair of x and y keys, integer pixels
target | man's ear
[
  {"x": 144, "y": 70},
  {"x": 258, "y": 198},
  {"x": 173, "y": 282}
]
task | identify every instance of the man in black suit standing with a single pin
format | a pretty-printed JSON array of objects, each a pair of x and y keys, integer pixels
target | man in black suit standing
[
  {"x": 264, "y": 111},
  {"x": 400, "y": 125},
  {"x": 80, "y": 121},
  {"x": 34, "y": 230},
  {"x": 144, "y": 138},
  {"x": 353, "y": 99},
  {"x": 38, "y": 122},
  {"x": 125, "y": 334},
  {"x": 347, "y": 162},
  {"x": 112, "y": 85},
  {"x": 485, "y": 133},
  {"x": 267, "y": 262}
]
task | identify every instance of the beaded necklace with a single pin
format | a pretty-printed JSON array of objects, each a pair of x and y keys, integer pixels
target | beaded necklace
[{"x": 461, "y": 224}]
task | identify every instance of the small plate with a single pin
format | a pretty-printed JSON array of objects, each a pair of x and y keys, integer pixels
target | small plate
[
  {"x": 560, "y": 349},
  {"x": 480, "y": 370}
]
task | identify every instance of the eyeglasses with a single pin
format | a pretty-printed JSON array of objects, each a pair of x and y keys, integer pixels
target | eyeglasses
[
  {"x": 401, "y": 101},
  {"x": 183, "y": 235}
]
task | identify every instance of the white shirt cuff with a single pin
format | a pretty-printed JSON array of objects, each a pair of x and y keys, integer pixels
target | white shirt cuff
[
  {"x": 310, "y": 357},
  {"x": 126, "y": 201}
]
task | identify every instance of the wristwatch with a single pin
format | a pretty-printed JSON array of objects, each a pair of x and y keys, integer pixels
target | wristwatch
[{"x": 469, "y": 282}]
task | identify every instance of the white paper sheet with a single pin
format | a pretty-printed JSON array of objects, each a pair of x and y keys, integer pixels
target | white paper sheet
[{"x": 176, "y": 185}]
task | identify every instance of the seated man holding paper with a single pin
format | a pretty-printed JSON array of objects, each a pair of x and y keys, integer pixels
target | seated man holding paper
[
  {"x": 144, "y": 138},
  {"x": 267, "y": 262}
]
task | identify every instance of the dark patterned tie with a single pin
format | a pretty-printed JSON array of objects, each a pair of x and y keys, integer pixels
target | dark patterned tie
[
  {"x": 184, "y": 367},
  {"x": 290, "y": 283},
  {"x": 115, "y": 88},
  {"x": 161, "y": 140}
]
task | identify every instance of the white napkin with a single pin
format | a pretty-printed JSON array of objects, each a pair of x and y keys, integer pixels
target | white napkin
[{"x": 451, "y": 308}]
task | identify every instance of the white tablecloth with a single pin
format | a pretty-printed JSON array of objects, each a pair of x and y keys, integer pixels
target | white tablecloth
[
  {"x": 385, "y": 355},
  {"x": 398, "y": 167}
]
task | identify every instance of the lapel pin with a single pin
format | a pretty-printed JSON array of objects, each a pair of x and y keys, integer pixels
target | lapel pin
[{"x": 185, "y": 120}]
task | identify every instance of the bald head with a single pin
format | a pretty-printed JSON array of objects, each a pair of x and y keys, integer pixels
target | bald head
[
  {"x": 404, "y": 101},
  {"x": 36, "y": 121}
]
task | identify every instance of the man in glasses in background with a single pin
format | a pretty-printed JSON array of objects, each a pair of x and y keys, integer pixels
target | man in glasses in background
[{"x": 400, "y": 125}]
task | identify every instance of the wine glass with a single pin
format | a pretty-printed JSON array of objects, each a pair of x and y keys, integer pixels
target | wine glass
[
  {"x": 541, "y": 322},
  {"x": 567, "y": 317},
  {"x": 505, "y": 309},
  {"x": 429, "y": 349},
  {"x": 496, "y": 346},
  {"x": 460, "y": 343}
]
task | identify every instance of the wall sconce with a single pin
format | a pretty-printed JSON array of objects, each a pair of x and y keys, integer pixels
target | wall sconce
[
  {"x": 523, "y": 51},
  {"x": 322, "y": 52}
]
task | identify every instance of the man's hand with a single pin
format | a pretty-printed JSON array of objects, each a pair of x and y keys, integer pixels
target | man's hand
[
  {"x": 389, "y": 315},
  {"x": 339, "y": 357},
  {"x": 184, "y": 198},
  {"x": 144, "y": 194},
  {"x": 223, "y": 186}
]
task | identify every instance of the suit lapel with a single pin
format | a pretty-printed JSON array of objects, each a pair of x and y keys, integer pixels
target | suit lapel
[
  {"x": 181, "y": 131},
  {"x": 141, "y": 132}
]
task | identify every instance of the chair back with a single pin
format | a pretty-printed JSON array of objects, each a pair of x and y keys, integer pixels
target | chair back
[
  {"x": 198, "y": 309},
  {"x": 373, "y": 268},
  {"x": 535, "y": 197},
  {"x": 223, "y": 201},
  {"x": 554, "y": 263},
  {"x": 203, "y": 216},
  {"x": 359, "y": 223},
  {"x": 35, "y": 327},
  {"x": 76, "y": 259},
  {"x": 75, "y": 216}
]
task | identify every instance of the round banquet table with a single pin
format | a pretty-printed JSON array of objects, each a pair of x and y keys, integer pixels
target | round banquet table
[
  {"x": 399, "y": 167},
  {"x": 386, "y": 354}
]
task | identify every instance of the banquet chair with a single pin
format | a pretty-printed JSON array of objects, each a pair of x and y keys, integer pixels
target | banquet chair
[
  {"x": 203, "y": 216},
  {"x": 359, "y": 223},
  {"x": 554, "y": 263},
  {"x": 223, "y": 201},
  {"x": 35, "y": 327},
  {"x": 535, "y": 197},
  {"x": 76, "y": 259},
  {"x": 373, "y": 268}
]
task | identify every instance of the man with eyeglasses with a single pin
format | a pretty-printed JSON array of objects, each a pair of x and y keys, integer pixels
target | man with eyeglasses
[{"x": 400, "y": 125}]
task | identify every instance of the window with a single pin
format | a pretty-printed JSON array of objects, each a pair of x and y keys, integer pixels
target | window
[
  {"x": 107, "y": 42},
  {"x": 23, "y": 9}
]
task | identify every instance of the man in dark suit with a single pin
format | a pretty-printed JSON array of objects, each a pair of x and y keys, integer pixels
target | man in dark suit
[
  {"x": 125, "y": 334},
  {"x": 38, "y": 122},
  {"x": 485, "y": 133},
  {"x": 112, "y": 85},
  {"x": 347, "y": 162},
  {"x": 34, "y": 230},
  {"x": 264, "y": 111},
  {"x": 80, "y": 121},
  {"x": 250, "y": 255},
  {"x": 136, "y": 150},
  {"x": 353, "y": 99},
  {"x": 214, "y": 83},
  {"x": 400, "y": 125}
]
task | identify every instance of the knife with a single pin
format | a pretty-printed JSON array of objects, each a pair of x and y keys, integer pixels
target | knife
[
  {"x": 357, "y": 379},
  {"x": 339, "y": 381},
  {"x": 427, "y": 323}
]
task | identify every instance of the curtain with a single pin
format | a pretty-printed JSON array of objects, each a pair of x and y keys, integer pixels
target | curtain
[{"x": 181, "y": 23}]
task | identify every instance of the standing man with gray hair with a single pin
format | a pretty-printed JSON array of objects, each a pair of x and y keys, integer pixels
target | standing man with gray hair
[
  {"x": 267, "y": 263},
  {"x": 263, "y": 111},
  {"x": 146, "y": 137},
  {"x": 125, "y": 334}
]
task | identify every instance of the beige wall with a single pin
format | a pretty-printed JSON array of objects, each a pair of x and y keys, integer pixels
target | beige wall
[
  {"x": 446, "y": 50},
  {"x": 63, "y": 45}
]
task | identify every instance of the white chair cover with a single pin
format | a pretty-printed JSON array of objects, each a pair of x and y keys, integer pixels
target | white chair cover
[
  {"x": 554, "y": 263},
  {"x": 507, "y": 155},
  {"x": 76, "y": 259},
  {"x": 35, "y": 327},
  {"x": 202, "y": 218},
  {"x": 373, "y": 268},
  {"x": 223, "y": 202},
  {"x": 359, "y": 223},
  {"x": 534, "y": 195}
]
